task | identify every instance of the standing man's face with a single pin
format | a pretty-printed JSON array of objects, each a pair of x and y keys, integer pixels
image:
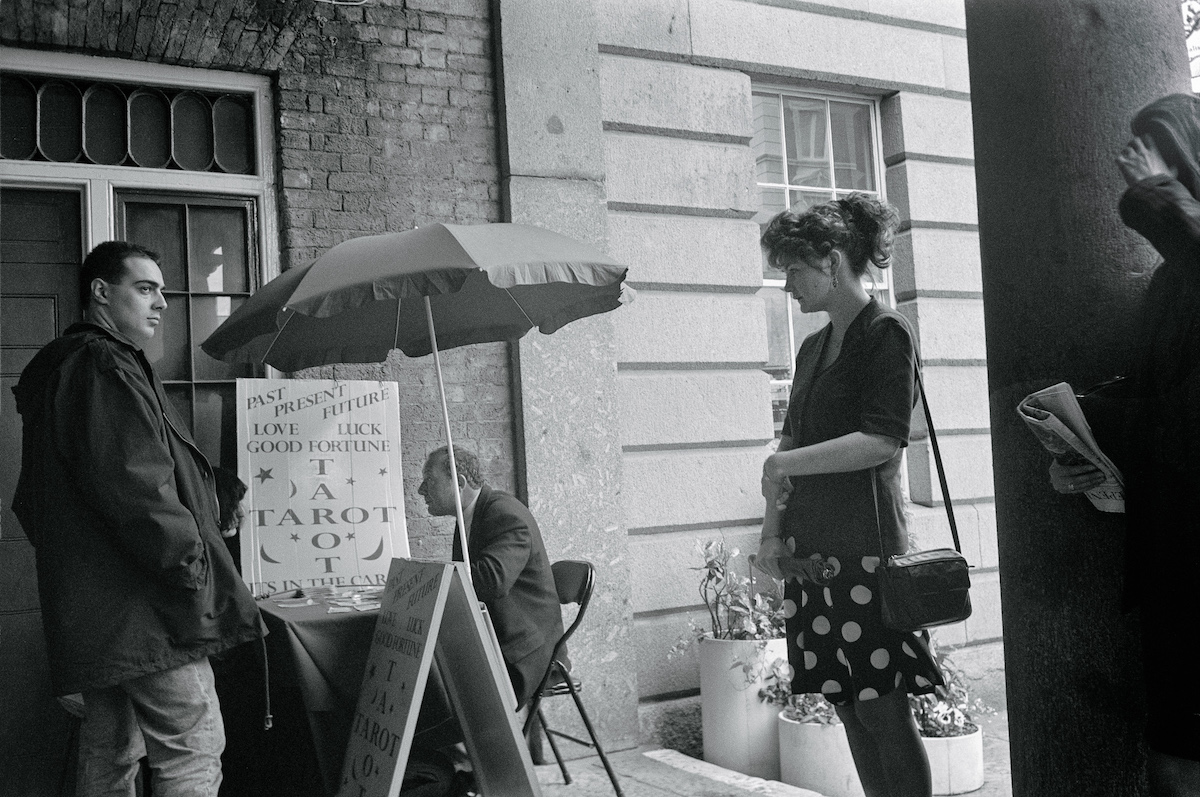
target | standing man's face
[{"x": 133, "y": 305}]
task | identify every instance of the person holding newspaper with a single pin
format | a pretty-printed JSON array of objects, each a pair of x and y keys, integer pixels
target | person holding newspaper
[
  {"x": 1161, "y": 450},
  {"x": 837, "y": 469}
]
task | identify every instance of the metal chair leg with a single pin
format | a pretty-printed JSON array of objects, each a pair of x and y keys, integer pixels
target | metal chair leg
[
  {"x": 587, "y": 723},
  {"x": 562, "y": 765}
]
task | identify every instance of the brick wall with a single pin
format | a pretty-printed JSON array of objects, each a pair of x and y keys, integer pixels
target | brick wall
[{"x": 385, "y": 121}]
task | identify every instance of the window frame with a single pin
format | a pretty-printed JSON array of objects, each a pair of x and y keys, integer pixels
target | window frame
[{"x": 886, "y": 285}]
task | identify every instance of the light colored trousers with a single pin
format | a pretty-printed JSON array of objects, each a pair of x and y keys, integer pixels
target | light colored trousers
[{"x": 172, "y": 718}]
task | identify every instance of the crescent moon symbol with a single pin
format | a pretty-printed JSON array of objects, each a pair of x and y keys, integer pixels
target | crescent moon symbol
[
  {"x": 262, "y": 551},
  {"x": 378, "y": 551},
  {"x": 293, "y": 493}
]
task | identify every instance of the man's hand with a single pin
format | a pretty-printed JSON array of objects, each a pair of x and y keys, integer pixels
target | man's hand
[
  {"x": 1141, "y": 159},
  {"x": 1071, "y": 479}
]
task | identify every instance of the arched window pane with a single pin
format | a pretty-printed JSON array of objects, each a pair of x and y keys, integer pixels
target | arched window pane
[
  {"x": 104, "y": 124},
  {"x": 60, "y": 122},
  {"x": 233, "y": 133},
  {"x": 18, "y": 110},
  {"x": 191, "y": 132},
  {"x": 149, "y": 129}
]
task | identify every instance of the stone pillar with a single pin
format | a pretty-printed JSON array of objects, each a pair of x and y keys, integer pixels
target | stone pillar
[
  {"x": 552, "y": 154},
  {"x": 1053, "y": 86}
]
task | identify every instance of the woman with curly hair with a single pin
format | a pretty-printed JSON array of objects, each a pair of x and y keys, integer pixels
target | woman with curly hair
[{"x": 834, "y": 508}]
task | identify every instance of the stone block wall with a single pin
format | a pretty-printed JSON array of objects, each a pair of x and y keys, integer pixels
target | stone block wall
[{"x": 676, "y": 84}]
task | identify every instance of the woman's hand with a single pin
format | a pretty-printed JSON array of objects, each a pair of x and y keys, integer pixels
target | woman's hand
[
  {"x": 770, "y": 551},
  {"x": 1141, "y": 159},
  {"x": 1071, "y": 479}
]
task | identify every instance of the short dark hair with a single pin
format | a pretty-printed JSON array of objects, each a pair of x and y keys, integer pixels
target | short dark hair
[
  {"x": 107, "y": 262},
  {"x": 466, "y": 463}
]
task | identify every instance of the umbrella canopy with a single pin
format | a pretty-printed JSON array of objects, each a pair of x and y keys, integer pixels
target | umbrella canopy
[
  {"x": 366, "y": 296},
  {"x": 445, "y": 284}
]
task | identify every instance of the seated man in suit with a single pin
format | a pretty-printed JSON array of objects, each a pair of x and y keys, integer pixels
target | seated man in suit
[{"x": 509, "y": 567}]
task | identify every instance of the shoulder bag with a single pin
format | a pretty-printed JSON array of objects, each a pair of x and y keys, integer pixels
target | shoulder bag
[{"x": 927, "y": 588}]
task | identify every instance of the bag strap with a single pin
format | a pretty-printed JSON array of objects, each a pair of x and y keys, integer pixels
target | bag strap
[{"x": 937, "y": 458}]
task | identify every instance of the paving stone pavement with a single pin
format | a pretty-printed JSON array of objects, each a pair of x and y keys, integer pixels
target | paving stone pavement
[{"x": 649, "y": 772}]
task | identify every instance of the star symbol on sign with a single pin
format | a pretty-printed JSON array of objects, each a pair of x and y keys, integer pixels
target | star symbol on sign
[
  {"x": 383, "y": 471},
  {"x": 264, "y": 474},
  {"x": 350, "y": 480},
  {"x": 350, "y": 536},
  {"x": 295, "y": 538}
]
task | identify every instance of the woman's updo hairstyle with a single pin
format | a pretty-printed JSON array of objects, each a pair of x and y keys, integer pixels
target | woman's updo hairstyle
[{"x": 860, "y": 225}]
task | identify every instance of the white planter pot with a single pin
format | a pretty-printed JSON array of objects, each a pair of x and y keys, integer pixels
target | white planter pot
[
  {"x": 956, "y": 762},
  {"x": 817, "y": 757},
  {"x": 740, "y": 731}
]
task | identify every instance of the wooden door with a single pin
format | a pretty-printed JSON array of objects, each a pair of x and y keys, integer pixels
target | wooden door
[{"x": 41, "y": 248}]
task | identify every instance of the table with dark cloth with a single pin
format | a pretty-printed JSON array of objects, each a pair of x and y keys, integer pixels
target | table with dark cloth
[{"x": 315, "y": 666}]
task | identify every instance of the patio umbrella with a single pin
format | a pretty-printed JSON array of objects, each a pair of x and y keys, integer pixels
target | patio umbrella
[{"x": 448, "y": 283}]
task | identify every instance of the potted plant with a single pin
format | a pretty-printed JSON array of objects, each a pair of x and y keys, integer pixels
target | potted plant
[
  {"x": 953, "y": 741},
  {"x": 814, "y": 753},
  {"x": 740, "y": 649}
]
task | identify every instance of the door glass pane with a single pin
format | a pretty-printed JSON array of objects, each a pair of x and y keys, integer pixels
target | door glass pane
[
  {"x": 852, "y": 151},
  {"x": 160, "y": 228},
  {"x": 804, "y": 131},
  {"x": 168, "y": 350},
  {"x": 767, "y": 142},
  {"x": 217, "y": 256},
  {"x": 208, "y": 313},
  {"x": 216, "y": 424}
]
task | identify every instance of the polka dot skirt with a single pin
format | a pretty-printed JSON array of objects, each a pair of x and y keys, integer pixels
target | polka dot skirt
[{"x": 838, "y": 644}]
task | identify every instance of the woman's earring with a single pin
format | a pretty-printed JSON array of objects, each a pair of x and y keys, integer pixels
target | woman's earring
[{"x": 833, "y": 282}]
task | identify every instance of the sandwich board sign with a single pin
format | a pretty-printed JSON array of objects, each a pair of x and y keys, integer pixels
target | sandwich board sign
[
  {"x": 321, "y": 458},
  {"x": 429, "y": 612}
]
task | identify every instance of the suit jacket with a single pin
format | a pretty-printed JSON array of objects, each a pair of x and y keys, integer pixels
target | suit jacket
[{"x": 511, "y": 574}]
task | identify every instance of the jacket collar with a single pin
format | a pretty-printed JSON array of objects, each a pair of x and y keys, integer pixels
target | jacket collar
[{"x": 91, "y": 326}]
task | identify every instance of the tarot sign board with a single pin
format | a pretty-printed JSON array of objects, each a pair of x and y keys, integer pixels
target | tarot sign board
[
  {"x": 325, "y": 505},
  {"x": 429, "y": 612}
]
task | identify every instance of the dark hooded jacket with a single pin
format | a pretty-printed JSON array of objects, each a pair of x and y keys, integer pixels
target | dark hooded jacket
[
  {"x": 1162, "y": 466},
  {"x": 120, "y": 506}
]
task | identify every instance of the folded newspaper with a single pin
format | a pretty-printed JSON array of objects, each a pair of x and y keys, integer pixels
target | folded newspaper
[{"x": 1056, "y": 419}]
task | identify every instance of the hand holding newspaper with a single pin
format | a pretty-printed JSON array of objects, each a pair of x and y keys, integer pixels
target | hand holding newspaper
[{"x": 1056, "y": 419}]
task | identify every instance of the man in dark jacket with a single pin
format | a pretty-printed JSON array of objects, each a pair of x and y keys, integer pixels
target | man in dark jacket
[
  {"x": 137, "y": 589},
  {"x": 509, "y": 567}
]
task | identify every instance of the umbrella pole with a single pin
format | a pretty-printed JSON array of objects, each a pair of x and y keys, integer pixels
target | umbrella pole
[{"x": 458, "y": 510}]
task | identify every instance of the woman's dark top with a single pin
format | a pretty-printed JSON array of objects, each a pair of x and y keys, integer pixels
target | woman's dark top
[{"x": 869, "y": 388}]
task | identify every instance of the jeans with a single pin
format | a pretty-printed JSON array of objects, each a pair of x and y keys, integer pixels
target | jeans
[{"x": 172, "y": 718}]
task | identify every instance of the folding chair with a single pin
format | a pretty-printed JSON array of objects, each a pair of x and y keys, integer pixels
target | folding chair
[{"x": 574, "y": 581}]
